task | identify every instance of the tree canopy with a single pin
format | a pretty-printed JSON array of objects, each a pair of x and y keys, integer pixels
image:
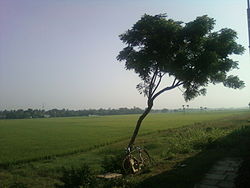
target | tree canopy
[{"x": 191, "y": 54}]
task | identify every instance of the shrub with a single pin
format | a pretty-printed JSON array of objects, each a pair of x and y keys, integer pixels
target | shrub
[
  {"x": 117, "y": 183},
  {"x": 113, "y": 163},
  {"x": 17, "y": 185},
  {"x": 77, "y": 177}
]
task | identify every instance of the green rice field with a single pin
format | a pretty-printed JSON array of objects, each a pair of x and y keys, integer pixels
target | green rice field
[
  {"x": 35, "y": 139},
  {"x": 34, "y": 152}
]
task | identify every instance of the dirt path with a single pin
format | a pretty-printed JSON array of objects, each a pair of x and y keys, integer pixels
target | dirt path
[{"x": 222, "y": 174}]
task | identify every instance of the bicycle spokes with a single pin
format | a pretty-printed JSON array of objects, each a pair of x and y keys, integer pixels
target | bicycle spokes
[{"x": 135, "y": 160}]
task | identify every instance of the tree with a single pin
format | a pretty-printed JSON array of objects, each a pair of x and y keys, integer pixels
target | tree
[
  {"x": 183, "y": 107},
  {"x": 189, "y": 55}
]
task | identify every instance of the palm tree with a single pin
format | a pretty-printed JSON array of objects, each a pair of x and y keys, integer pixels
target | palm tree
[{"x": 183, "y": 108}]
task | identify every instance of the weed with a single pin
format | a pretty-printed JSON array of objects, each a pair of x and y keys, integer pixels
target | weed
[
  {"x": 113, "y": 163},
  {"x": 77, "y": 177},
  {"x": 17, "y": 184}
]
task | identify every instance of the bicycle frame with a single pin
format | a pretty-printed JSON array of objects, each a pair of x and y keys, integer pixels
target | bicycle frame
[{"x": 134, "y": 159}]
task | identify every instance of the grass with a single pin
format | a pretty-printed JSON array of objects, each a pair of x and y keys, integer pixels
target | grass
[
  {"x": 35, "y": 139},
  {"x": 190, "y": 164},
  {"x": 197, "y": 139}
]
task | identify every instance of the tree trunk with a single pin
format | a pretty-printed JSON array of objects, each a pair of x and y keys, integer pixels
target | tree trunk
[{"x": 139, "y": 121}]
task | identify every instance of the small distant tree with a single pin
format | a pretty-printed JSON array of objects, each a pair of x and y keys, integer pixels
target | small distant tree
[
  {"x": 249, "y": 105},
  {"x": 183, "y": 108},
  {"x": 189, "y": 54}
]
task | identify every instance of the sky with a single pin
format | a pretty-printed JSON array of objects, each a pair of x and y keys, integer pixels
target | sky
[{"x": 62, "y": 53}]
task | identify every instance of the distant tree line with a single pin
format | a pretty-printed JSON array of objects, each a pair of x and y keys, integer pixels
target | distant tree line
[{"x": 35, "y": 113}]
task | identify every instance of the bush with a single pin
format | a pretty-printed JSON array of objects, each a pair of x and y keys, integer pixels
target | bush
[
  {"x": 77, "y": 177},
  {"x": 113, "y": 163},
  {"x": 17, "y": 185},
  {"x": 116, "y": 183}
]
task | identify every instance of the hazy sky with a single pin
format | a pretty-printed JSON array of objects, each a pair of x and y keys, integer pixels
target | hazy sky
[{"x": 62, "y": 53}]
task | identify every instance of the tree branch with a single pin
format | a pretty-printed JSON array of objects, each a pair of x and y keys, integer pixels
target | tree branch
[
  {"x": 179, "y": 83},
  {"x": 174, "y": 81},
  {"x": 151, "y": 85},
  {"x": 157, "y": 84}
]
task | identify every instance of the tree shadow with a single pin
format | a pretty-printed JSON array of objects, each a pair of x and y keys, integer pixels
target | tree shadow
[{"x": 193, "y": 169}]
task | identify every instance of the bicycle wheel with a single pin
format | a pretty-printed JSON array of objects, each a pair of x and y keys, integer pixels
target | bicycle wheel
[
  {"x": 130, "y": 165},
  {"x": 145, "y": 158}
]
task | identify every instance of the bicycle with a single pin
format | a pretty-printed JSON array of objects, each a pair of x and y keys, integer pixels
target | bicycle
[{"x": 136, "y": 158}]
